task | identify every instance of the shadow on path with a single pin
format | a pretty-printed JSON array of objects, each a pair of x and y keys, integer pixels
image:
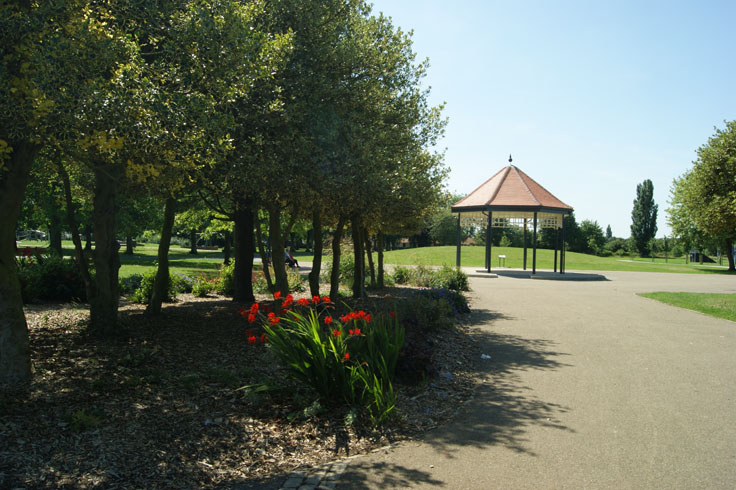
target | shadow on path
[
  {"x": 503, "y": 408},
  {"x": 385, "y": 475}
]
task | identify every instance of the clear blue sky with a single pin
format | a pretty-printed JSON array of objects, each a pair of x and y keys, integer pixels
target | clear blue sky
[{"x": 590, "y": 97}]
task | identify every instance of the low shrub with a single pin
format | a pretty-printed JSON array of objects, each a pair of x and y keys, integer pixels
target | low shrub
[
  {"x": 145, "y": 291},
  {"x": 49, "y": 278},
  {"x": 450, "y": 278},
  {"x": 202, "y": 286},
  {"x": 226, "y": 284},
  {"x": 457, "y": 300},
  {"x": 128, "y": 285},
  {"x": 423, "y": 312},
  {"x": 401, "y": 274},
  {"x": 181, "y": 283},
  {"x": 446, "y": 277}
]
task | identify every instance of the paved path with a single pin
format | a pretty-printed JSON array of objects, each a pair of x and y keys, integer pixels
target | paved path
[{"x": 589, "y": 386}]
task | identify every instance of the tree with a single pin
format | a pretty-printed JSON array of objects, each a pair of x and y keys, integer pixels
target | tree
[
  {"x": 609, "y": 233},
  {"x": 644, "y": 218},
  {"x": 703, "y": 201},
  {"x": 592, "y": 238}
]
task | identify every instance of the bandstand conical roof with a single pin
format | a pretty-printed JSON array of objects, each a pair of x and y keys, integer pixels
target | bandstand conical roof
[{"x": 510, "y": 189}]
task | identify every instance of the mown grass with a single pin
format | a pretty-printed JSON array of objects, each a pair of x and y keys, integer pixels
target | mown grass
[
  {"x": 474, "y": 256},
  {"x": 206, "y": 262},
  {"x": 712, "y": 304}
]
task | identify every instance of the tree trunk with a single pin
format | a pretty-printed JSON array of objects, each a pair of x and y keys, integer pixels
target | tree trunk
[
  {"x": 244, "y": 250},
  {"x": 359, "y": 269},
  {"x": 55, "y": 234},
  {"x": 729, "y": 249},
  {"x": 379, "y": 246},
  {"x": 104, "y": 305},
  {"x": 335, "y": 273},
  {"x": 317, "y": 260},
  {"x": 227, "y": 248},
  {"x": 369, "y": 254},
  {"x": 264, "y": 256},
  {"x": 277, "y": 250},
  {"x": 88, "y": 237},
  {"x": 15, "y": 356},
  {"x": 161, "y": 281},
  {"x": 193, "y": 242},
  {"x": 129, "y": 249},
  {"x": 71, "y": 222}
]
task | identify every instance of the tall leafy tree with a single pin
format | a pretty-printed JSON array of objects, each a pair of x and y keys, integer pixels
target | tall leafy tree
[
  {"x": 703, "y": 201},
  {"x": 644, "y": 218}
]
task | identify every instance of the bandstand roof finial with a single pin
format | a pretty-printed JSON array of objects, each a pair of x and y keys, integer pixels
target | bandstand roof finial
[{"x": 510, "y": 159}]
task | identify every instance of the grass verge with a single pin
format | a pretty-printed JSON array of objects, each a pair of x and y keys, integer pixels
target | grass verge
[{"x": 712, "y": 304}]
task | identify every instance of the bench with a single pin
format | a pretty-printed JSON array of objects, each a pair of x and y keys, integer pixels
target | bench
[{"x": 501, "y": 257}]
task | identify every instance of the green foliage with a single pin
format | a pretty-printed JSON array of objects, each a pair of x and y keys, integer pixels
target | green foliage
[
  {"x": 203, "y": 286},
  {"x": 84, "y": 418},
  {"x": 401, "y": 274},
  {"x": 426, "y": 313},
  {"x": 644, "y": 218},
  {"x": 178, "y": 283},
  {"x": 352, "y": 360},
  {"x": 226, "y": 285},
  {"x": 49, "y": 278},
  {"x": 592, "y": 237},
  {"x": 702, "y": 209},
  {"x": 426, "y": 277},
  {"x": 129, "y": 284}
]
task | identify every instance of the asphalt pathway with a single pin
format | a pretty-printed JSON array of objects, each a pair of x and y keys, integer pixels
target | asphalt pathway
[{"x": 588, "y": 386}]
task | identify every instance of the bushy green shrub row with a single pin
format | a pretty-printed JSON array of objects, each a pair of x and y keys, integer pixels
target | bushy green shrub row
[
  {"x": 445, "y": 277},
  {"x": 49, "y": 278}
]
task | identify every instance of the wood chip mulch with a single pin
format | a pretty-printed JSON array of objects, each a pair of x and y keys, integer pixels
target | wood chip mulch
[{"x": 158, "y": 407}]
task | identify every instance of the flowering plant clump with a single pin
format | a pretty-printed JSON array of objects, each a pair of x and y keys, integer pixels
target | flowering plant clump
[{"x": 352, "y": 359}]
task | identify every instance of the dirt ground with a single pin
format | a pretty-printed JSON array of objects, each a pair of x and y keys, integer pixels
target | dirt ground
[{"x": 159, "y": 406}]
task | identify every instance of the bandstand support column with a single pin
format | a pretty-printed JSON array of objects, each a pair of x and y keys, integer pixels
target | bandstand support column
[
  {"x": 534, "y": 246},
  {"x": 524, "y": 244},
  {"x": 459, "y": 239}
]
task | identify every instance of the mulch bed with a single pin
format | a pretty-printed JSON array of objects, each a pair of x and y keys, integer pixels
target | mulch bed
[{"x": 158, "y": 406}]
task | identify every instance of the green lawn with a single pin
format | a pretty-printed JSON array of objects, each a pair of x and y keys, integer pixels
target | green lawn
[
  {"x": 205, "y": 262},
  {"x": 717, "y": 305},
  {"x": 474, "y": 256},
  {"x": 209, "y": 261}
]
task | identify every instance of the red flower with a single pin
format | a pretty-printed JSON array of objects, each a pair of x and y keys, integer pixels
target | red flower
[
  {"x": 271, "y": 315},
  {"x": 346, "y": 356},
  {"x": 303, "y": 302},
  {"x": 243, "y": 312},
  {"x": 344, "y": 318},
  {"x": 350, "y": 332},
  {"x": 264, "y": 339},
  {"x": 252, "y": 339},
  {"x": 274, "y": 321},
  {"x": 392, "y": 314},
  {"x": 326, "y": 299},
  {"x": 287, "y": 301},
  {"x": 277, "y": 295},
  {"x": 368, "y": 318},
  {"x": 328, "y": 320},
  {"x": 336, "y": 333},
  {"x": 254, "y": 308},
  {"x": 248, "y": 332},
  {"x": 356, "y": 331},
  {"x": 315, "y": 299},
  {"x": 251, "y": 318}
]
